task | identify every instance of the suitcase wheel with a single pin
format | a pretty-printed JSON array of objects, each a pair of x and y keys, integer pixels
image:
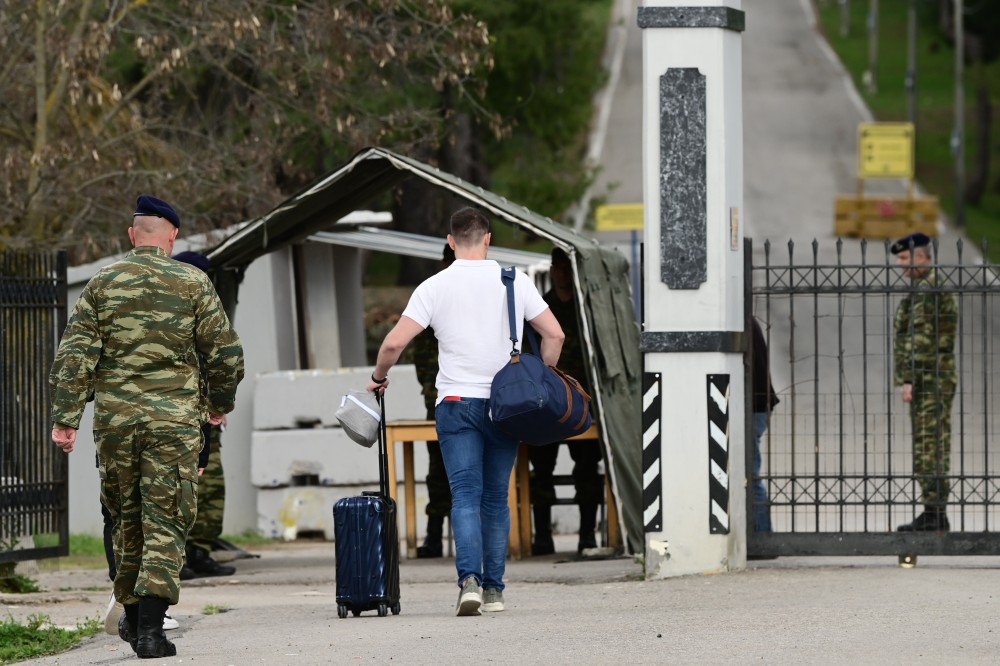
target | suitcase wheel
[
  {"x": 356, "y": 611},
  {"x": 383, "y": 609},
  {"x": 396, "y": 608},
  {"x": 341, "y": 611}
]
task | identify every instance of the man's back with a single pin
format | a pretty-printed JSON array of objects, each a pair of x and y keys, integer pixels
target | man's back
[
  {"x": 148, "y": 317},
  {"x": 466, "y": 305}
]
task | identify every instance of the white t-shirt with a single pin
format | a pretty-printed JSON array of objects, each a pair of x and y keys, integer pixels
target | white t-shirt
[{"x": 466, "y": 305}]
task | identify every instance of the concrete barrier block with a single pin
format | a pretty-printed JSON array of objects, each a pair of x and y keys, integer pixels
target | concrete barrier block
[
  {"x": 286, "y": 512},
  {"x": 278, "y": 456},
  {"x": 298, "y": 398}
]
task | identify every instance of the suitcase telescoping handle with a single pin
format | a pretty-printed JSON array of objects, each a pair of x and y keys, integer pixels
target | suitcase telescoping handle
[{"x": 383, "y": 447}]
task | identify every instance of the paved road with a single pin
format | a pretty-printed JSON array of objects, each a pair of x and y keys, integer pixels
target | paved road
[{"x": 282, "y": 610}]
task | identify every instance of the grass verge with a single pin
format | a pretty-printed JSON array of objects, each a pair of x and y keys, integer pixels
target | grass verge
[{"x": 38, "y": 638}]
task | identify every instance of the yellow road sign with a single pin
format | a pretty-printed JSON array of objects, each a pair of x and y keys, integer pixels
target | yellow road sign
[
  {"x": 885, "y": 150},
  {"x": 619, "y": 217}
]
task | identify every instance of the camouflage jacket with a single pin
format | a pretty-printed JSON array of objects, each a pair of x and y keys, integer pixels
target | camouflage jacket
[
  {"x": 133, "y": 342},
  {"x": 924, "y": 345},
  {"x": 425, "y": 362}
]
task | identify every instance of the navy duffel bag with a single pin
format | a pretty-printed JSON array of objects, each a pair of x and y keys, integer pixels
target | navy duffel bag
[{"x": 534, "y": 402}]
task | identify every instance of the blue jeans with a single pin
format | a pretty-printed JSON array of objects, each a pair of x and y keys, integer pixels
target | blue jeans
[
  {"x": 479, "y": 460},
  {"x": 761, "y": 503}
]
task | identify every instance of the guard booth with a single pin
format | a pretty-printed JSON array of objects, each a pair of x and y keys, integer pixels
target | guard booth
[{"x": 885, "y": 151}]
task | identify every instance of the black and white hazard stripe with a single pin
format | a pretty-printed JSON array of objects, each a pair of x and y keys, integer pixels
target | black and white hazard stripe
[
  {"x": 718, "y": 453},
  {"x": 652, "y": 478}
]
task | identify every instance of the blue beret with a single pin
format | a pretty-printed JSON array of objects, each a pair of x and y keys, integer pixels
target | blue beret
[
  {"x": 194, "y": 258},
  {"x": 909, "y": 242},
  {"x": 147, "y": 205}
]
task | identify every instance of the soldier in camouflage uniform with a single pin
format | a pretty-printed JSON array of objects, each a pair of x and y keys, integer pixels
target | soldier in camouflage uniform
[
  {"x": 924, "y": 361},
  {"x": 133, "y": 342},
  {"x": 211, "y": 484},
  {"x": 207, "y": 526},
  {"x": 586, "y": 454},
  {"x": 425, "y": 361}
]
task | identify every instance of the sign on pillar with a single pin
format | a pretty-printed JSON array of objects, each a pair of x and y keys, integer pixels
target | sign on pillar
[{"x": 693, "y": 330}]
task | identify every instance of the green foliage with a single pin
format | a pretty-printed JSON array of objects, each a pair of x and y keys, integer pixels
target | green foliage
[
  {"x": 212, "y": 609},
  {"x": 935, "y": 102},
  {"x": 547, "y": 69},
  {"x": 38, "y": 637},
  {"x": 12, "y": 583}
]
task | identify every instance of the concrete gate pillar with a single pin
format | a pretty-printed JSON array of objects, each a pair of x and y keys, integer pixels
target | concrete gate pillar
[{"x": 692, "y": 339}]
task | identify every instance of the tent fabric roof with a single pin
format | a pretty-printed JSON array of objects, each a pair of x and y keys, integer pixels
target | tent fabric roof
[
  {"x": 425, "y": 247},
  {"x": 608, "y": 323}
]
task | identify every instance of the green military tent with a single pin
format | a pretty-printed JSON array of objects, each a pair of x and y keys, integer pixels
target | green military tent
[{"x": 602, "y": 292}]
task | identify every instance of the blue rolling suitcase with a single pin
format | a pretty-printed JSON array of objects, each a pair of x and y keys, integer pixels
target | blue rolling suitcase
[{"x": 367, "y": 545}]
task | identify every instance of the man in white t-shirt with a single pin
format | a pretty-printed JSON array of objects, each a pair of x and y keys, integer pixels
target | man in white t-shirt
[{"x": 466, "y": 305}]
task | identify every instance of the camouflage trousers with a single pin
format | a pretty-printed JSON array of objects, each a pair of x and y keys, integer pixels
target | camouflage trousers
[
  {"x": 211, "y": 498},
  {"x": 149, "y": 484},
  {"x": 930, "y": 413}
]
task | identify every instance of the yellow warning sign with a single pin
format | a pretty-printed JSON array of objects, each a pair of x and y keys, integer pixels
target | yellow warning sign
[
  {"x": 619, "y": 217},
  {"x": 885, "y": 150}
]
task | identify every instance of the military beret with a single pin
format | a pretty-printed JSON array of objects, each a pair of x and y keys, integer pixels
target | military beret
[
  {"x": 194, "y": 258},
  {"x": 153, "y": 207},
  {"x": 909, "y": 242}
]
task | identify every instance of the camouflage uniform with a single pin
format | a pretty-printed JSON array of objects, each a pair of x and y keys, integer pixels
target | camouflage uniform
[
  {"x": 924, "y": 356},
  {"x": 133, "y": 341},
  {"x": 425, "y": 361},
  {"x": 211, "y": 497},
  {"x": 586, "y": 454}
]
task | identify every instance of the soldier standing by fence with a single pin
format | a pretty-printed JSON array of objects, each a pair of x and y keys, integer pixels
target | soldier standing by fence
[
  {"x": 133, "y": 342},
  {"x": 924, "y": 361}
]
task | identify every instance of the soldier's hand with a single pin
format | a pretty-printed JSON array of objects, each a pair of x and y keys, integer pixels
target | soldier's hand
[
  {"x": 906, "y": 392},
  {"x": 64, "y": 437},
  {"x": 216, "y": 419}
]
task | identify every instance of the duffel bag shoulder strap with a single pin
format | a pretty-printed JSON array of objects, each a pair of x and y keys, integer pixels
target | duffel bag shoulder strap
[{"x": 507, "y": 277}]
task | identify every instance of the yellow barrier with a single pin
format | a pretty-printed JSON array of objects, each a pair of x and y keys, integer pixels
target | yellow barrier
[{"x": 885, "y": 217}]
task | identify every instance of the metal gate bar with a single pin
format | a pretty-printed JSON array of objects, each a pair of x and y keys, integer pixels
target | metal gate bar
[
  {"x": 838, "y": 455},
  {"x": 33, "y": 472}
]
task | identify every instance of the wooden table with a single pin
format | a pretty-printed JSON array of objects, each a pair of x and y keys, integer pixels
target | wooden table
[{"x": 519, "y": 497}]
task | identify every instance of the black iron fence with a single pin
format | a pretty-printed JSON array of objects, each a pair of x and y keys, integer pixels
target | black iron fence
[
  {"x": 838, "y": 457},
  {"x": 33, "y": 472}
]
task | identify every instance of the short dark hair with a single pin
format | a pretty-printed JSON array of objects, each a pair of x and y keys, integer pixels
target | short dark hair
[{"x": 468, "y": 226}]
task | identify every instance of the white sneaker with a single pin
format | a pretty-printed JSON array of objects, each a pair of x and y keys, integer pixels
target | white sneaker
[
  {"x": 169, "y": 622},
  {"x": 112, "y": 615},
  {"x": 469, "y": 598},
  {"x": 492, "y": 600}
]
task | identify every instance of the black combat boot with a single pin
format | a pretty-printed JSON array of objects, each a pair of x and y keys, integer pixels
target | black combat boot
[
  {"x": 542, "y": 544},
  {"x": 128, "y": 625},
  {"x": 153, "y": 642},
  {"x": 588, "y": 523},
  {"x": 933, "y": 519},
  {"x": 432, "y": 542},
  {"x": 201, "y": 564}
]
